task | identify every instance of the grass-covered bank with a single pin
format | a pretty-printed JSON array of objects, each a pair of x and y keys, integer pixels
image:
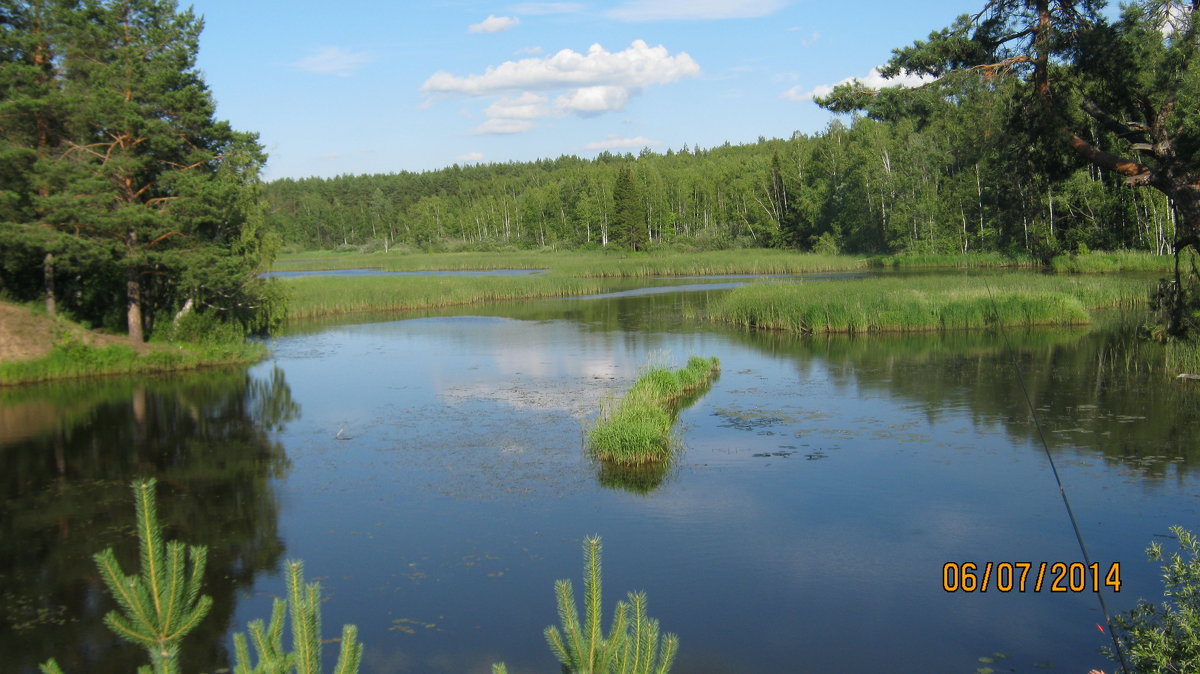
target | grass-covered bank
[
  {"x": 1111, "y": 262},
  {"x": 952, "y": 261},
  {"x": 923, "y": 304},
  {"x": 36, "y": 347},
  {"x": 313, "y": 296},
  {"x": 637, "y": 429},
  {"x": 570, "y": 274},
  {"x": 73, "y": 360},
  {"x": 667, "y": 262},
  {"x": 587, "y": 264}
]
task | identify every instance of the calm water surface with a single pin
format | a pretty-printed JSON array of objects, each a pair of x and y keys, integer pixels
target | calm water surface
[{"x": 820, "y": 487}]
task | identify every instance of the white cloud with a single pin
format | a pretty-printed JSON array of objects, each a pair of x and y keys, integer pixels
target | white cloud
[
  {"x": 526, "y": 106},
  {"x": 593, "y": 100},
  {"x": 618, "y": 143},
  {"x": 590, "y": 84},
  {"x": 494, "y": 24},
  {"x": 470, "y": 157},
  {"x": 502, "y": 126},
  {"x": 638, "y": 66},
  {"x": 333, "y": 61},
  {"x": 873, "y": 80},
  {"x": 668, "y": 10},
  {"x": 541, "y": 8},
  {"x": 528, "y": 50}
]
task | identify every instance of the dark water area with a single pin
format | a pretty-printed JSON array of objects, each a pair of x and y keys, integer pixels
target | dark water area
[{"x": 431, "y": 472}]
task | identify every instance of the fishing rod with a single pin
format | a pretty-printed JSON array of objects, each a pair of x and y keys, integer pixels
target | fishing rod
[{"x": 1062, "y": 490}]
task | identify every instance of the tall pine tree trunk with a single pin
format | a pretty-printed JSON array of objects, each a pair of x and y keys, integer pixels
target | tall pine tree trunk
[
  {"x": 48, "y": 278},
  {"x": 133, "y": 291},
  {"x": 133, "y": 288}
]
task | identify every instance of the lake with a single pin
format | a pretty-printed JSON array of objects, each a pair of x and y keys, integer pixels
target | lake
[{"x": 432, "y": 473}]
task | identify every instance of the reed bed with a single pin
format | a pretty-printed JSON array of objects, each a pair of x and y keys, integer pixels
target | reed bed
[
  {"x": 712, "y": 263},
  {"x": 588, "y": 264},
  {"x": 951, "y": 261},
  {"x": 637, "y": 430},
  {"x": 923, "y": 304},
  {"x": 311, "y": 297},
  {"x": 1115, "y": 261}
]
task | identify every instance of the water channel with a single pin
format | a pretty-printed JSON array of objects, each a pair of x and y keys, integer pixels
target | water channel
[{"x": 431, "y": 472}]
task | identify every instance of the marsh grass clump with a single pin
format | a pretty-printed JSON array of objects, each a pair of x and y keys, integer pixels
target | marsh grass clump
[
  {"x": 325, "y": 296},
  {"x": 951, "y": 261},
  {"x": 612, "y": 263},
  {"x": 637, "y": 429},
  {"x": 1100, "y": 262},
  {"x": 923, "y": 304}
]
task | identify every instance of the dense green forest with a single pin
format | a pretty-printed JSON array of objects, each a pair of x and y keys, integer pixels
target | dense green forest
[{"x": 867, "y": 186}]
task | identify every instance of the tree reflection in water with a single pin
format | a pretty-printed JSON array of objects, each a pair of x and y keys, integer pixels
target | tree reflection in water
[{"x": 70, "y": 451}]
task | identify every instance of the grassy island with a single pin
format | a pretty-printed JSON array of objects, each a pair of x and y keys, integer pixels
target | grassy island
[{"x": 637, "y": 429}]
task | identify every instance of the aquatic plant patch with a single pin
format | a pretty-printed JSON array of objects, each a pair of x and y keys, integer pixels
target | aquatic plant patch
[
  {"x": 922, "y": 304},
  {"x": 637, "y": 429}
]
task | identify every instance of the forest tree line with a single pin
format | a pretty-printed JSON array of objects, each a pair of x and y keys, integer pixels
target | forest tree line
[{"x": 943, "y": 184}]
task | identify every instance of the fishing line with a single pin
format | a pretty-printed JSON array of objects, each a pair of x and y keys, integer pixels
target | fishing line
[{"x": 1062, "y": 490}]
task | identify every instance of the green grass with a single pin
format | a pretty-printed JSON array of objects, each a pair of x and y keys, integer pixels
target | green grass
[
  {"x": 923, "y": 304},
  {"x": 951, "y": 261},
  {"x": 575, "y": 273},
  {"x": 314, "y": 296},
  {"x": 1115, "y": 261},
  {"x": 71, "y": 359},
  {"x": 637, "y": 430},
  {"x": 1182, "y": 357},
  {"x": 587, "y": 264}
]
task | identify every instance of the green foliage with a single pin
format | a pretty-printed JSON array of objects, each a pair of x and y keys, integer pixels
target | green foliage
[
  {"x": 304, "y": 607},
  {"x": 918, "y": 304},
  {"x": 633, "y": 644},
  {"x": 162, "y": 604},
  {"x": 1096, "y": 262},
  {"x": 120, "y": 193},
  {"x": 71, "y": 358},
  {"x": 637, "y": 430},
  {"x": 199, "y": 327},
  {"x": 629, "y": 213},
  {"x": 1166, "y": 637}
]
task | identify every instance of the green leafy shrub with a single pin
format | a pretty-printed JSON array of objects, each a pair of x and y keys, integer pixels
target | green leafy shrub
[{"x": 1166, "y": 637}]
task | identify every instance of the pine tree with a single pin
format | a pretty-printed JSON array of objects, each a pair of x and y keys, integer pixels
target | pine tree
[
  {"x": 633, "y": 644},
  {"x": 304, "y": 606},
  {"x": 629, "y": 211},
  {"x": 161, "y": 604}
]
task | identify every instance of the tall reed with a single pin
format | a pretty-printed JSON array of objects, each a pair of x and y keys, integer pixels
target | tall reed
[
  {"x": 922, "y": 304},
  {"x": 1099, "y": 262},
  {"x": 329, "y": 295},
  {"x": 637, "y": 429},
  {"x": 604, "y": 263},
  {"x": 951, "y": 260}
]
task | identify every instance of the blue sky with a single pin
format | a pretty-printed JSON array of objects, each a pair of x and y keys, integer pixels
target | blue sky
[{"x": 358, "y": 86}]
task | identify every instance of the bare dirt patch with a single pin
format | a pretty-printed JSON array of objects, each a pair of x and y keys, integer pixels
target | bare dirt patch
[{"x": 25, "y": 335}]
